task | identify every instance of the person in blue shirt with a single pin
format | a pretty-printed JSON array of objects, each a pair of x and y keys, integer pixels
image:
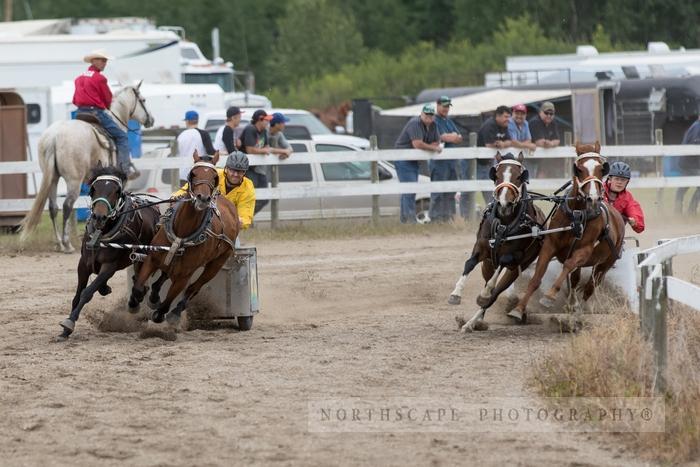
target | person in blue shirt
[
  {"x": 519, "y": 130},
  {"x": 442, "y": 205}
]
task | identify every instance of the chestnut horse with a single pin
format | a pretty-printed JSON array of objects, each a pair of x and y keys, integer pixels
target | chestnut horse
[
  {"x": 595, "y": 238},
  {"x": 335, "y": 115},
  {"x": 511, "y": 213},
  {"x": 117, "y": 217},
  {"x": 200, "y": 230}
]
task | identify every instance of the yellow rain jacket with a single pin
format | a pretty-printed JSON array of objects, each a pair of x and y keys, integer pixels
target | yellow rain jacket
[{"x": 242, "y": 196}]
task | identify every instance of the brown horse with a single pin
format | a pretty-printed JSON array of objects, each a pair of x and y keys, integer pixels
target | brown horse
[
  {"x": 335, "y": 115},
  {"x": 200, "y": 230},
  {"x": 595, "y": 238},
  {"x": 511, "y": 213},
  {"x": 117, "y": 217}
]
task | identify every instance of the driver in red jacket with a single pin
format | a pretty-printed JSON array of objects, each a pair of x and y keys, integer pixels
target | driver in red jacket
[{"x": 616, "y": 194}]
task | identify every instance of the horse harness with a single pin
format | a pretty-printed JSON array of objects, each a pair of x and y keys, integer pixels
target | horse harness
[{"x": 199, "y": 236}]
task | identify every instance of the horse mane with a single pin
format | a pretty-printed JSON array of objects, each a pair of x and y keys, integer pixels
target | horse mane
[{"x": 107, "y": 170}]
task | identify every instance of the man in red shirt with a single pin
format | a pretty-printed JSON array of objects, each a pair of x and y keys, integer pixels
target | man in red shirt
[
  {"x": 616, "y": 194},
  {"x": 93, "y": 96}
]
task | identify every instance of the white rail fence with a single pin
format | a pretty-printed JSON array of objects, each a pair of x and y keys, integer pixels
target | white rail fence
[
  {"x": 374, "y": 188},
  {"x": 657, "y": 287}
]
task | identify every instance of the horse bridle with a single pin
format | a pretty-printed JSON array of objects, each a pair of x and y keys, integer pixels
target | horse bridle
[
  {"x": 213, "y": 186},
  {"x": 113, "y": 210},
  {"x": 139, "y": 100},
  {"x": 590, "y": 178},
  {"x": 513, "y": 187}
]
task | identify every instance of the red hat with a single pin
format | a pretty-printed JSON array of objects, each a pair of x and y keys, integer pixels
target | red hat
[{"x": 519, "y": 108}]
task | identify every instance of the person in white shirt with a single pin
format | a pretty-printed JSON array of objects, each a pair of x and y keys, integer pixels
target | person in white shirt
[
  {"x": 228, "y": 137},
  {"x": 191, "y": 140}
]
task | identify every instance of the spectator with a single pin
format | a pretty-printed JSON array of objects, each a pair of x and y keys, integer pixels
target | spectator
[
  {"x": 543, "y": 127},
  {"x": 227, "y": 139},
  {"x": 617, "y": 194},
  {"x": 278, "y": 143},
  {"x": 254, "y": 140},
  {"x": 419, "y": 133},
  {"x": 442, "y": 205},
  {"x": 191, "y": 140},
  {"x": 519, "y": 130},
  {"x": 689, "y": 167},
  {"x": 492, "y": 134}
]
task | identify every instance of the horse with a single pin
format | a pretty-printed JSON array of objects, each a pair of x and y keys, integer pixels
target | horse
[
  {"x": 512, "y": 213},
  {"x": 200, "y": 230},
  {"x": 117, "y": 217},
  {"x": 335, "y": 115},
  {"x": 594, "y": 239},
  {"x": 70, "y": 149}
]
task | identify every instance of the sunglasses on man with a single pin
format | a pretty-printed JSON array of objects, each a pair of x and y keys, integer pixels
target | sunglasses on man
[{"x": 549, "y": 112}]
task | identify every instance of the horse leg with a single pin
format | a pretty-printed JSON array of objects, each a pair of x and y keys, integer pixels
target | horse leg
[
  {"x": 469, "y": 265},
  {"x": 506, "y": 281},
  {"x": 546, "y": 254},
  {"x": 487, "y": 292},
  {"x": 85, "y": 294},
  {"x": 154, "y": 297},
  {"x": 176, "y": 287},
  {"x": 138, "y": 290},
  {"x": 210, "y": 270},
  {"x": 572, "y": 302},
  {"x": 577, "y": 258},
  {"x": 71, "y": 197},
  {"x": 53, "y": 212},
  {"x": 597, "y": 275}
]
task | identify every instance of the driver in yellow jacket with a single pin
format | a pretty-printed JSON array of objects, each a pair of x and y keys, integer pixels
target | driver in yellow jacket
[{"x": 235, "y": 187}]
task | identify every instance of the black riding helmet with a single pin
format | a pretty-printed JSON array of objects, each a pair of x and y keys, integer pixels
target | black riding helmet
[
  {"x": 620, "y": 169},
  {"x": 237, "y": 161}
]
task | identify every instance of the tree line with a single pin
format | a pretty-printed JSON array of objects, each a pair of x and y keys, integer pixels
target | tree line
[{"x": 313, "y": 53}]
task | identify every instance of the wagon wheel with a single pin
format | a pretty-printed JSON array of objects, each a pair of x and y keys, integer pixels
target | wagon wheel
[{"x": 245, "y": 323}]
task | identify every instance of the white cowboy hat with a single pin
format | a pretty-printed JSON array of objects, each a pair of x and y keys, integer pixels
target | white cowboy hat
[{"x": 99, "y": 53}]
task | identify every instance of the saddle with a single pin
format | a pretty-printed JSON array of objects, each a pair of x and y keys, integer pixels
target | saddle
[{"x": 104, "y": 139}]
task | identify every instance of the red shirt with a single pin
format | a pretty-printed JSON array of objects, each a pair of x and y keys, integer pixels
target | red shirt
[
  {"x": 91, "y": 90},
  {"x": 628, "y": 207}
]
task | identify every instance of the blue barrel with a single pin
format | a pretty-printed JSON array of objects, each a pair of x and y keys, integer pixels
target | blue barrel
[{"x": 82, "y": 214}]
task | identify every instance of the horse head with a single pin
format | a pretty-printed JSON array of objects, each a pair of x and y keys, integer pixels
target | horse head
[
  {"x": 203, "y": 180},
  {"x": 106, "y": 193},
  {"x": 589, "y": 169},
  {"x": 509, "y": 175},
  {"x": 134, "y": 104}
]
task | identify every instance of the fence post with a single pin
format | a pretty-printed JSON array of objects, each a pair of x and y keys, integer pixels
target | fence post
[
  {"x": 274, "y": 203},
  {"x": 644, "y": 304},
  {"x": 568, "y": 138},
  {"x": 174, "y": 173},
  {"x": 660, "y": 304},
  {"x": 470, "y": 196},
  {"x": 375, "y": 179},
  {"x": 659, "y": 140}
]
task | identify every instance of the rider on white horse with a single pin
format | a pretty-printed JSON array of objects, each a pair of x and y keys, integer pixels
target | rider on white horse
[{"x": 93, "y": 96}]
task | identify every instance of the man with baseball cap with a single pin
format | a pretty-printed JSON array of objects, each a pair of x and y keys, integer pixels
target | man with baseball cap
[
  {"x": 442, "y": 205},
  {"x": 543, "y": 127},
  {"x": 191, "y": 140},
  {"x": 278, "y": 143},
  {"x": 255, "y": 140},
  {"x": 419, "y": 133},
  {"x": 93, "y": 96},
  {"x": 227, "y": 139}
]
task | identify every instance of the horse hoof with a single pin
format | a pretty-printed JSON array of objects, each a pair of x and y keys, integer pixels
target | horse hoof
[
  {"x": 153, "y": 305},
  {"x": 172, "y": 318},
  {"x": 157, "y": 317},
  {"x": 454, "y": 300},
  {"x": 467, "y": 328},
  {"x": 133, "y": 306},
  {"x": 105, "y": 290},
  {"x": 482, "y": 301},
  {"x": 546, "y": 301},
  {"x": 68, "y": 249},
  {"x": 481, "y": 325},
  {"x": 460, "y": 322},
  {"x": 68, "y": 327},
  {"x": 516, "y": 314}
]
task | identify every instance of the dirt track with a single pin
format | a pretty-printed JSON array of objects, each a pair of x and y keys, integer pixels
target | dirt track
[{"x": 365, "y": 317}]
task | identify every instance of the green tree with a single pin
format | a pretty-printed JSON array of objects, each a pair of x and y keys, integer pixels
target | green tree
[{"x": 314, "y": 38}]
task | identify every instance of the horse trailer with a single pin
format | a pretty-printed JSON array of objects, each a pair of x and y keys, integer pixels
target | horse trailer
[{"x": 13, "y": 147}]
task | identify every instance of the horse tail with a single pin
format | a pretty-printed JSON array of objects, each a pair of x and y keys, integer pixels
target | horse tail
[{"x": 47, "y": 160}]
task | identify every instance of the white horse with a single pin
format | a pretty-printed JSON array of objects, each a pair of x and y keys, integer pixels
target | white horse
[{"x": 70, "y": 149}]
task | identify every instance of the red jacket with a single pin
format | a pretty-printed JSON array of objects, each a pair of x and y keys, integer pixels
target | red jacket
[
  {"x": 91, "y": 90},
  {"x": 628, "y": 207}
]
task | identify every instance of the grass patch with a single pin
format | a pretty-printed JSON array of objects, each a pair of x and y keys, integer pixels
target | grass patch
[
  {"x": 41, "y": 240},
  {"x": 611, "y": 359}
]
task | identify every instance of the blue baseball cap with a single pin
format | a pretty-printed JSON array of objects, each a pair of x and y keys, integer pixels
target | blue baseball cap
[
  {"x": 278, "y": 117},
  {"x": 191, "y": 115}
]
